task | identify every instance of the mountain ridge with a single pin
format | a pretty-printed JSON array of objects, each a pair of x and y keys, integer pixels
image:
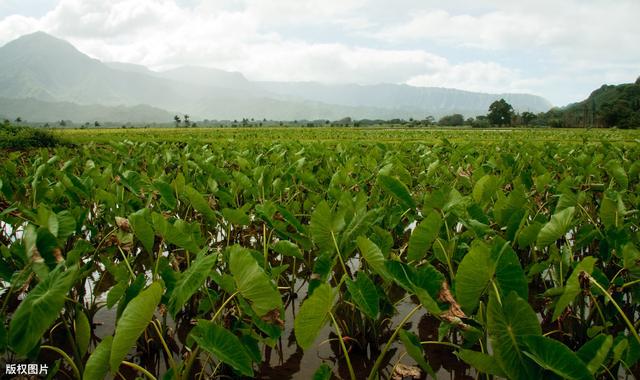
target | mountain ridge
[
  {"x": 35, "y": 110},
  {"x": 40, "y": 66}
]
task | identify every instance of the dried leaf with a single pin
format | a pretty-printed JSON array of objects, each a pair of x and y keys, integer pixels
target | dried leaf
[
  {"x": 123, "y": 224},
  {"x": 403, "y": 371}
]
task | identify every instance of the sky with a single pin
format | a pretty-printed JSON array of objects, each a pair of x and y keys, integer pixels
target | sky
[{"x": 561, "y": 50}]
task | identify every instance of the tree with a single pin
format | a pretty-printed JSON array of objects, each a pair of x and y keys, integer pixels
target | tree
[
  {"x": 18, "y": 120},
  {"x": 429, "y": 120},
  {"x": 177, "y": 120},
  {"x": 187, "y": 122},
  {"x": 527, "y": 117},
  {"x": 500, "y": 113},
  {"x": 481, "y": 121},
  {"x": 452, "y": 120}
]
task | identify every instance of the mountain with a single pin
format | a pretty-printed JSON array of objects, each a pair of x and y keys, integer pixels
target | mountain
[
  {"x": 130, "y": 68},
  {"x": 404, "y": 98},
  {"x": 203, "y": 76},
  {"x": 40, "y": 111},
  {"x": 608, "y": 106},
  {"x": 41, "y": 67}
]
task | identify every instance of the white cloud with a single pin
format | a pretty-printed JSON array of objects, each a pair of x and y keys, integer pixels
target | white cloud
[
  {"x": 474, "y": 76},
  {"x": 160, "y": 34},
  {"x": 568, "y": 30},
  {"x": 14, "y": 26},
  {"x": 577, "y": 44},
  {"x": 336, "y": 63},
  {"x": 493, "y": 30}
]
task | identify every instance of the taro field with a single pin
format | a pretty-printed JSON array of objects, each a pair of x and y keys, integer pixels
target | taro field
[{"x": 298, "y": 253}]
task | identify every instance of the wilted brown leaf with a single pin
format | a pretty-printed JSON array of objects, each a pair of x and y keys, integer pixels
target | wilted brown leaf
[
  {"x": 273, "y": 317},
  {"x": 123, "y": 224},
  {"x": 403, "y": 371}
]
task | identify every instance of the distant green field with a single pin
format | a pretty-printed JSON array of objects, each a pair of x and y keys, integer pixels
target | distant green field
[{"x": 336, "y": 134}]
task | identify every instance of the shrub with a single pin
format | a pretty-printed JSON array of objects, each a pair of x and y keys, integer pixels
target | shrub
[{"x": 19, "y": 137}]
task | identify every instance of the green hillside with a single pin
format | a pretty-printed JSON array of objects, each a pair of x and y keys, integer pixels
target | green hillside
[{"x": 608, "y": 106}]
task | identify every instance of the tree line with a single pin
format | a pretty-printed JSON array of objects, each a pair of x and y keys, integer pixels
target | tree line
[{"x": 607, "y": 107}]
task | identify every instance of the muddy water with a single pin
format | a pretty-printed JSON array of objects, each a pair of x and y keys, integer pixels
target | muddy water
[{"x": 288, "y": 361}]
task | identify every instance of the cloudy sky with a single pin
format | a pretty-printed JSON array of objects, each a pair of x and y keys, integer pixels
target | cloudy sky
[{"x": 561, "y": 50}]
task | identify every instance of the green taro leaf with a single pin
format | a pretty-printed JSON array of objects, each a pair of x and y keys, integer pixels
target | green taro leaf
[
  {"x": 509, "y": 274},
  {"x": 364, "y": 294},
  {"x": 425, "y": 282},
  {"x": 556, "y": 357},
  {"x": 200, "y": 204},
  {"x": 313, "y": 315},
  {"x": 373, "y": 256},
  {"x": 190, "y": 281},
  {"x": 595, "y": 352},
  {"x": 236, "y": 216},
  {"x": 506, "y": 324},
  {"x": 116, "y": 293},
  {"x": 82, "y": 330},
  {"x": 131, "y": 291},
  {"x": 414, "y": 349},
  {"x": 39, "y": 310},
  {"x": 142, "y": 229},
  {"x": 97, "y": 365},
  {"x": 481, "y": 362},
  {"x": 631, "y": 257},
  {"x": 66, "y": 225},
  {"x": 47, "y": 244},
  {"x": 252, "y": 282},
  {"x": 485, "y": 188},
  {"x": 612, "y": 210},
  {"x": 529, "y": 234},
  {"x": 132, "y": 323},
  {"x": 556, "y": 228},
  {"x": 325, "y": 226},
  {"x": 572, "y": 287},
  {"x": 323, "y": 373},
  {"x": 398, "y": 189},
  {"x": 291, "y": 219},
  {"x": 474, "y": 273},
  {"x": 224, "y": 345},
  {"x": 401, "y": 273},
  {"x": 423, "y": 236},
  {"x": 616, "y": 171},
  {"x": 620, "y": 345},
  {"x": 180, "y": 233},
  {"x": 287, "y": 248},
  {"x": 166, "y": 192}
]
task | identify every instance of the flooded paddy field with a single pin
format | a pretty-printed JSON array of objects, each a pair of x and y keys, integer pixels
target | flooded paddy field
[{"x": 296, "y": 253}]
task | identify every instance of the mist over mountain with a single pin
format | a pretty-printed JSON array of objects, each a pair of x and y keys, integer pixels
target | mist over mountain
[
  {"x": 404, "y": 98},
  {"x": 38, "y": 110},
  {"x": 39, "y": 67}
]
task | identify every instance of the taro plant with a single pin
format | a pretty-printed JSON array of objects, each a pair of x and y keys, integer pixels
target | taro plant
[{"x": 224, "y": 254}]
